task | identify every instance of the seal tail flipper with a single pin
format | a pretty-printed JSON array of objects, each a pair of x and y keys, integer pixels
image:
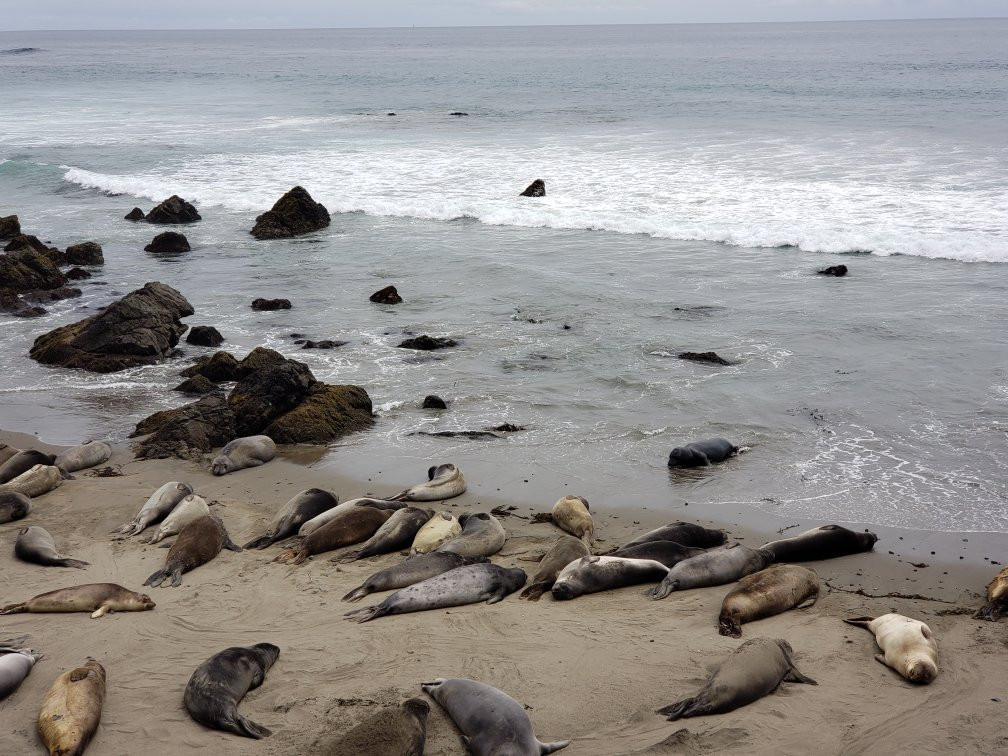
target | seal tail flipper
[
  {"x": 176, "y": 577},
  {"x": 156, "y": 579},
  {"x": 14, "y": 608},
  {"x": 859, "y": 621},
  {"x": 230, "y": 545},
  {"x": 101, "y": 611},
  {"x": 285, "y": 556},
  {"x": 498, "y": 595},
  {"x": 350, "y": 556},
  {"x": 400, "y": 496},
  {"x": 795, "y": 676},
  {"x": 250, "y": 729},
  {"x": 534, "y": 592},
  {"x": 688, "y": 707},
  {"x": 990, "y": 612},
  {"x": 259, "y": 543},
  {"x": 356, "y": 594},
  {"x": 660, "y": 591},
  {"x": 366, "y": 614},
  {"x": 67, "y": 562},
  {"x": 728, "y": 624},
  {"x": 551, "y": 747}
]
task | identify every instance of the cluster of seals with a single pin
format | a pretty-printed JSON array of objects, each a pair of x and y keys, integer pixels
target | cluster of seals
[
  {"x": 220, "y": 683},
  {"x": 34, "y": 544},
  {"x": 443, "y": 482},
  {"x": 702, "y": 453},
  {"x": 248, "y": 451},
  {"x": 319, "y": 520},
  {"x": 716, "y": 567},
  {"x": 160, "y": 504},
  {"x": 414, "y": 570},
  {"x": 668, "y": 553},
  {"x": 397, "y": 532},
  {"x": 23, "y": 461},
  {"x": 13, "y": 506},
  {"x": 72, "y": 709},
  {"x": 190, "y": 509},
  {"x": 908, "y": 645},
  {"x": 198, "y": 543},
  {"x": 684, "y": 533},
  {"x": 765, "y": 593},
  {"x": 295, "y": 513},
  {"x": 826, "y": 542},
  {"x": 394, "y": 731},
  {"x": 15, "y": 664},
  {"x": 439, "y": 529},
  {"x": 347, "y": 528},
  {"x": 97, "y": 598},
  {"x": 566, "y": 550}
]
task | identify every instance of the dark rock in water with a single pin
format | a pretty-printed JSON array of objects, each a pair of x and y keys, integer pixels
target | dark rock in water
[
  {"x": 328, "y": 413},
  {"x": 85, "y": 253},
  {"x": 536, "y": 189},
  {"x": 834, "y": 270},
  {"x": 264, "y": 395},
  {"x": 25, "y": 241},
  {"x": 136, "y": 214},
  {"x": 187, "y": 432},
  {"x": 508, "y": 428},
  {"x": 204, "y": 336},
  {"x": 271, "y": 304},
  {"x": 172, "y": 210},
  {"x": 458, "y": 113},
  {"x": 428, "y": 342},
  {"x": 28, "y": 269},
  {"x": 711, "y": 358},
  {"x": 257, "y": 359},
  {"x": 391, "y": 114},
  {"x": 296, "y": 336},
  {"x": 139, "y": 329},
  {"x": 293, "y": 214},
  {"x": 197, "y": 385},
  {"x": 52, "y": 295},
  {"x": 388, "y": 295},
  {"x": 473, "y": 434},
  {"x": 77, "y": 274},
  {"x": 169, "y": 242},
  {"x": 10, "y": 227},
  {"x": 27, "y": 311},
  {"x": 218, "y": 367},
  {"x": 325, "y": 344},
  {"x": 431, "y": 401}
]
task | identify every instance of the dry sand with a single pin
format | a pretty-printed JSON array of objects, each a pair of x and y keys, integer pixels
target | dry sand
[{"x": 593, "y": 669}]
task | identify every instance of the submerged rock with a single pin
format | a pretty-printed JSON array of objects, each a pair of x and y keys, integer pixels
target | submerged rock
[
  {"x": 294, "y": 214},
  {"x": 77, "y": 274},
  {"x": 271, "y": 304},
  {"x": 173, "y": 210},
  {"x": 324, "y": 344},
  {"x": 536, "y": 189},
  {"x": 711, "y": 358},
  {"x": 432, "y": 401},
  {"x": 388, "y": 295},
  {"x": 834, "y": 270},
  {"x": 198, "y": 385},
  {"x": 10, "y": 227},
  {"x": 428, "y": 343},
  {"x": 218, "y": 367},
  {"x": 169, "y": 242},
  {"x": 204, "y": 336},
  {"x": 85, "y": 253}
]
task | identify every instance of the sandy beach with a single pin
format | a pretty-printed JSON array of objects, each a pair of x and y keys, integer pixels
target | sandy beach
[{"x": 592, "y": 670}]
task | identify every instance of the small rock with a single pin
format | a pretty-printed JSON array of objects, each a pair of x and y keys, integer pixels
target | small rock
[
  {"x": 170, "y": 242},
  {"x": 204, "y": 336},
  {"x": 77, "y": 274},
  {"x": 536, "y": 189},
  {"x": 196, "y": 386},
  {"x": 26, "y": 241},
  {"x": 10, "y": 227},
  {"x": 711, "y": 358},
  {"x": 293, "y": 214},
  {"x": 271, "y": 304},
  {"x": 136, "y": 214},
  {"x": 326, "y": 344},
  {"x": 427, "y": 343},
  {"x": 432, "y": 401},
  {"x": 388, "y": 295},
  {"x": 85, "y": 253},
  {"x": 173, "y": 210},
  {"x": 834, "y": 270}
]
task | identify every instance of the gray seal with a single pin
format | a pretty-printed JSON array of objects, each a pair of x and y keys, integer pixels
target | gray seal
[
  {"x": 414, "y": 570},
  {"x": 160, "y": 504},
  {"x": 13, "y": 506},
  {"x": 715, "y": 567},
  {"x": 771, "y": 591},
  {"x": 685, "y": 533},
  {"x": 482, "y": 535},
  {"x": 88, "y": 454},
  {"x": 395, "y": 731},
  {"x": 295, "y": 513},
  {"x": 827, "y": 542},
  {"x": 248, "y": 451},
  {"x": 592, "y": 574},
  {"x": 15, "y": 664},
  {"x": 197, "y": 543},
  {"x": 464, "y": 585},
  {"x": 567, "y": 549},
  {"x": 443, "y": 482},
  {"x": 34, "y": 544},
  {"x": 220, "y": 683},
  {"x": 492, "y": 723},
  {"x": 397, "y": 532},
  {"x": 22, "y": 462},
  {"x": 753, "y": 670},
  {"x": 702, "y": 453},
  {"x": 668, "y": 553}
]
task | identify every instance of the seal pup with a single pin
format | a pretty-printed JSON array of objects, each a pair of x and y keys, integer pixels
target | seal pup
[
  {"x": 908, "y": 645},
  {"x": 397, "y": 532},
  {"x": 827, "y": 542},
  {"x": 413, "y": 570},
  {"x": 319, "y": 520},
  {"x": 15, "y": 665},
  {"x": 482, "y": 535},
  {"x": 294, "y": 514},
  {"x": 6, "y": 452},
  {"x": 702, "y": 453},
  {"x": 88, "y": 454},
  {"x": 444, "y": 482},
  {"x": 72, "y": 710},
  {"x": 352, "y": 526},
  {"x": 592, "y": 574},
  {"x": 40, "y": 479},
  {"x": 439, "y": 528},
  {"x": 198, "y": 542},
  {"x": 13, "y": 506},
  {"x": 157, "y": 507},
  {"x": 753, "y": 670},
  {"x": 248, "y": 451},
  {"x": 35, "y": 544},
  {"x": 22, "y": 462},
  {"x": 566, "y": 550},
  {"x": 668, "y": 553},
  {"x": 190, "y": 509},
  {"x": 571, "y": 514},
  {"x": 97, "y": 598},
  {"x": 685, "y": 533},
  {"x": 469, "y": 584},
  {"x": 997, "y": 594},
  {"x": 715, "y": 567},
  {"x": 771, "y": 591},
  {"x": 220, "y": 683},
  {"x": 490, "y": 720},
  {"x": 394, "y": 731}
]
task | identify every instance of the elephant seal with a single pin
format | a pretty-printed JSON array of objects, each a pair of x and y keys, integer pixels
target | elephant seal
[
  {"x": 702, "y": 453},
  {"x": 160, "y": 504},
  {"x": 321, "y": 519},
  {"x": 482, "y": 535},
  {"x": 198, "y": 542},
  {"x": 97, "y": 598},
  {"x": 72, "y": 710},
  {"x": 397, "y": 532},
  {"x": 440, "y": 528},
  {"x": 35, "y": 544},
  {"x": 248, "y": 451},
  {"x": 463, "y": 585},
  {"x": 668, "y": 553},
  {"x": 40, "y": 479},
  {"x": 753, "y": 670},
  {"x": 293, "y": 515},
  {"x": 827, "y": 542},
  {"x": 444, "y": 482},
  {"x": 414, "y": 570},
  {"x": 997, "y": 593},
  {"x": 685, "y": 533},
  {"x": 352, "y": 526},
  {"x": 220, "y": 683},
  {"x": 715, "y": 567},
  {"x": 567, "y": 549},
  {"x": 15, "y": 665},
  {"x": 491, "y": 721},
  {"x": 771, "y": 591},
  {"x": 908, "y": 645},
  {"x": 22, "y": 462},
  {"x": 190, "y": 509},
  {"x": 88, "y": 454},
  {"x": 592, "y": 574},
  {"x": 571, "y": 514},
  {"x": 13, "y": 506},
  {"x": 395, "y": 731},
  {"x": 6, "y": 452}
]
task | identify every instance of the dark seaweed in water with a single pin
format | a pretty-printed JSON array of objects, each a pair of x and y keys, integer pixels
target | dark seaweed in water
[{"x": 20, "y": 51}]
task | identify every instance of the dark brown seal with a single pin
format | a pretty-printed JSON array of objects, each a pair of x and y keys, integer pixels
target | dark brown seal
[
  {"x": 353, "y": 526},
  {"x": 567, "y": 549},
  {"x": 218, "y": 685},
  {"x": 198, "y": 542},
  {"x": 762, "y": 594}
]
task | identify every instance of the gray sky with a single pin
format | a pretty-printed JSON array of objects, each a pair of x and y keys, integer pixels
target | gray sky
[{"x": 204, "y": 14}]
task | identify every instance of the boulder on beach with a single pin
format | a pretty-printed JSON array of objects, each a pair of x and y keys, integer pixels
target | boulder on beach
[
  {"x": 432, "y": 401},
  {"x": 204, "y": 336},
  {"x": 186, "y": 432},
  {"x": 270, "y": 304},
  {"x": 136, "y": 214},
  {"x": 197, "y": 386},
  {"x": 218, "y": 367},
  {"x": 264, "y": 395},
  {"x": 327, "y": 413},
  {"x": 77, "y": 274},
  {"x": 834, "y": 270},
  {"x": 10, "y": 227},
  {"x": 388, "y": 295},
  {"x": 169, "y": 242},
  {"x": 711, "y": 358},
  {"x": 85, "y": 253},
  {"x": 139, "y": 329},
  {"x": 294, "y": 214},
  {"x": 173, "y": 210},
  {"x": 427, "y": 343},
  {"x": 536, "y": 189}
]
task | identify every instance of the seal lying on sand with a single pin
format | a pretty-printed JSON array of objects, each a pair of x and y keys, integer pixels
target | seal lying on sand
[
  {"x": 715, "y": 567},
  {"x": 396, "y": 731},
  {"x": 702, "y": 453},
  {"x": 827, "y": 542},
  {"x": 40, "y": 479},
  {"x": 293, "y": 515},
  {"x": 908, "y": 645},
  {"x": 248, "y": 451},
  {"x": 566, "y": 550},
  {"x": 72, "y": 710},
  {"x": 397, "y": 532},
  {"x": 15, "y": 665},
  {"x": 98, "y": 598},
  {"x": 440, "y": 528},
  {"x": 352, "y": 526},
  {"x": 463, "y": 585},
  {"x": 22, "y": 462},
  {"x": 444, "y": 482},
  {"x": 158, "y": 506},
  {"x": 668, "y": 553},
  {"x": 571, "y": 514},
  {"x": 490, "y": 720},
  {"x": 771, "y": 591},
  {"x": 13, "y": 506},
  {"x": 35, "y": 544},
  {"x": 198, "y": 543},
  {"x": 88, "y": 454},
  {"x": 997, "y": 595},
  {"x": 190, "y": 509},
  {"x": 685, "y": 533},
  {"x": 220, "y": 683},
  {"x": 414, "y": 570},
  {"x": 753, "y": 670},
  {"x": 592, "y": 574},
  {"x": 482, "y": 535},
  {"x": 321, "y": 519},
  {"x": 6, "y": 452}
]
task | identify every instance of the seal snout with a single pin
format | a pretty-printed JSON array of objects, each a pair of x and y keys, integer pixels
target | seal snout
[
  {"x": 562, "y": 592},
  {"x": 921, "y": 671}
]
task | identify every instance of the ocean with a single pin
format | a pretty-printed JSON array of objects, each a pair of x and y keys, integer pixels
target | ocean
[{"x": 697, "y": 177}]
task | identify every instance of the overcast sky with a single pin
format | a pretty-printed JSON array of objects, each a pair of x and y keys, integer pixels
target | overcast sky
[{"x": 259, "y": 14}]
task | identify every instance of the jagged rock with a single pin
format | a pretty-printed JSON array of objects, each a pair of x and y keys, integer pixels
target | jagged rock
[
  {"x": 77, "y": 274},
  {"x": 324, "y": 344},
  {"x": 834, "y": 270},
  {"x": 294, "y": 214},
  {"x": 328, "y": 413},
  {"x": 204, "y": 336},
  {"x": 536, "y": 189},
  {"x": 432, "y": 401},
  {"x": 139, "y": 329},
  {"x": 265, "y": 394},
  {"x": 271, "y": 304},
  {"x": 426, "y": 342},
  {"x": 52, "y": 295},
  {"x": 388, "y": 295},
  {"x": 173, "y": 210},
  {"x": 218, "y": 367},
  {"x": 711, "y": 358},
  {"x": 10, "y": 227},
  {"x": 169, "y": 242},
  {"x": 186, "y": 432},
  {"x": 27, "y": 269},
  {"x": 136, "y": 214},
  {"x": 257, "y": 359},
  {"x": 85, "y": 253},
  {"x": 197, "y": 385}
]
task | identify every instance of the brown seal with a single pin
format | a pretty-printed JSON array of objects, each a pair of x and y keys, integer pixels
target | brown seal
[
  {"x": 567, "y": 549},
  {"x": 765, "y": 593},
  {"x": 353, "y": 526},
  {"x": 198, "y": 542},
  {"x": 72, "y": 710},
  {"x": 99, "y": 598}
]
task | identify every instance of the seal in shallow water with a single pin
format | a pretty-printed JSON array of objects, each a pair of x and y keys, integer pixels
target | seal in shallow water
[
  {"x": 13, "y": 506},
  {"x": 908, "y": 645},
  {"x": 35, "y": 544},
  {"x": 72, "y": 710},
  {"x": 702, "y": 453},
  {"x": 220, "y": 683},
  {"x": 293, "y": 515},
  {"x": 566, "y": 550},
  {"x": 98, "y": 598},
  {"x": 827, "y": 542},
  {"x": 771, "y": 591},
  {"x": 248, "y": 451}
]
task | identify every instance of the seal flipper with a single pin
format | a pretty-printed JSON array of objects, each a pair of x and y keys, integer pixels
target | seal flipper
[
  {"x": 545, "y": 748},
  {"x": 230, "y": 545},
  {"x": 990, "y": 612},
  {"x": 860, "y": 621},
  {"x": 248, "y": 728},
  {"x": 14, "y": 608},
  {"x": 261, "y": 542},
  {"x": 357, "y": 593},
  {"x": 795, "y": 676},
  {"x": 367, "y": 614},
  {"x": 66, "y": 562},
  {"x": 534, "y": 592},
  {"x": 688, "y": 707},
  {"x": 729, "y": 624},
  {"x": 660, "y": 591},
  {"x": 155, "y": 580},
  {"x": 497, "y": 595}
]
